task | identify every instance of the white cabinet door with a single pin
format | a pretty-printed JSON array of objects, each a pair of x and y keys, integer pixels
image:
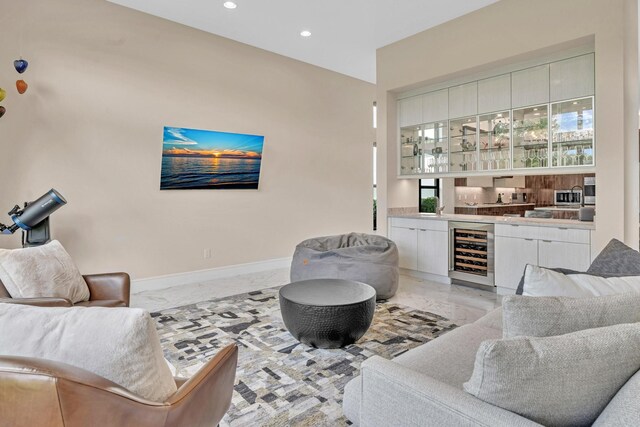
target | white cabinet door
[
  {"x": 512, "y": 182},
  {"x": 433, "y": 252},
  {"x": 494, "y": 94},
  {"x": 572, "y": 78},
  {"x": 512, "y": 255},
  {"x": 435, "y": 106},
  {"x": 575, "y": 256},
  {"x": 463, "y": 100},
  {"x": 530, "y": 86},
  {"x": 410, "y": 111},
  {"x": 407, "y": 241},
  {"x": 480, "y": 181}
]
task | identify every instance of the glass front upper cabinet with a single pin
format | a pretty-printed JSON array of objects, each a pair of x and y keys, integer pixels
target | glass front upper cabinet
[
  {"x": 463, "y": 148},
  {"x": 572, "y": 133},
  {"x": 531, "y": 137},
  {"x": 495, "y": 141},
  {"x": 410, "y": 138},
  {"x": 433, "y": 150}
]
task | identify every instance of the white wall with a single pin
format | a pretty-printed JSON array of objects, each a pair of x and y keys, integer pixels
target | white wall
[
  {"x": 104, "y": 80},
  {"x": 515, "y": 30}
]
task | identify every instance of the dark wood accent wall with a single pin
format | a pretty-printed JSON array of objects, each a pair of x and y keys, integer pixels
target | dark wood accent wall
[
  {"x": 494, "y": 210},
  {"x": 540, "y": 188}
]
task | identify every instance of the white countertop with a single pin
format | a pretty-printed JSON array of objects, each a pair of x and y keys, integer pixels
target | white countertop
[
  {"x": 541, "y": 222},
  {"x": 558, "y": 208},
  {"x": 494, "y": 205}
]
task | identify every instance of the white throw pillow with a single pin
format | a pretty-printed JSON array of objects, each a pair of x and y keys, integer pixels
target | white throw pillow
[
  {"x": 548, "y": 316},
  {"x": 119, "y": 344},
  {"x": 540, "y": 282},
  {"x": 42, "y": 271},
  {"x": 564, "y": 380}
]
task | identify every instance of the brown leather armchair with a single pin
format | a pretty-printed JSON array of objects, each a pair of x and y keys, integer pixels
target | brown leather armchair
[
  {"x": 38, "y": 392},
  {"x": 107, "y": 290}
]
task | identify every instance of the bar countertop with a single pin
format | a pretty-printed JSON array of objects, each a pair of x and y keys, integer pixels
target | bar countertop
[{"x": 539, "y": 222}]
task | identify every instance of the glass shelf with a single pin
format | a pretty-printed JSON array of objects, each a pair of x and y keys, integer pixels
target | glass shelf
[
  {"x": 495, "y": 141},
  {"x": 424, "y": 149},
  {"x": 572, "y": 133},
  {"x": 531, "y": 137},
  {"x": 463, "y": 147}
]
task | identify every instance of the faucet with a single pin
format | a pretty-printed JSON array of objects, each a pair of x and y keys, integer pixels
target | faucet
[
  {"x": 439, "y": 208},
  {"x": 581, "y": 191}
]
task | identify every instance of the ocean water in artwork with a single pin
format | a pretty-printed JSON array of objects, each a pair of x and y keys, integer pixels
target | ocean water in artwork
[
  {"x": 209, "y": 172},
  {"x": 199, "y": 159}
]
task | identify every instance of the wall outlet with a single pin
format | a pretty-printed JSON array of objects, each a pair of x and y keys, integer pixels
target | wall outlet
[{"x": 206, "y": 254}]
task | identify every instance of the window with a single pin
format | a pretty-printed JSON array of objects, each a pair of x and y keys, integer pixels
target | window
[
  {"x": 375, "y": 183},
  {"x": 428, "y": 189}
]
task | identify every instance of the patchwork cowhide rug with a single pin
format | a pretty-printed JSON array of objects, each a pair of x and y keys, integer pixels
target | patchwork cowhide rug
[{"x": 281, "y": 382}]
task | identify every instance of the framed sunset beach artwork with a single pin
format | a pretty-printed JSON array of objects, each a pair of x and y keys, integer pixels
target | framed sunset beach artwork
[{"x": 194, "y": 159}]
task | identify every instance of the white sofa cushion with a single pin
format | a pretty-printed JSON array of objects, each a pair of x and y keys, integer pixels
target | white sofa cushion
[
  {"x": 539, "y": 281},
  {"x": 42, "y": 271},
  {"x": 563, "y": 380},
  {"x": 119, "y": 344},
  {"x": 548, "y": 316}
]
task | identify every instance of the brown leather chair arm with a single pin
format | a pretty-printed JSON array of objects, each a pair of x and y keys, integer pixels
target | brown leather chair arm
[
  {"x": 109, "y": 286},
  {"x": 39, "y": 302},
  {"x": 206, "y": 396},
  {"x": 63, "y": 371}
]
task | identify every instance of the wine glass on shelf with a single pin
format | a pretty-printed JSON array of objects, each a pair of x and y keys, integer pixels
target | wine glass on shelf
[{"x": 543, "y": 157}]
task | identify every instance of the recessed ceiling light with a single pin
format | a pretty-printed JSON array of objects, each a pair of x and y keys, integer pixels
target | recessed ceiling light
[
  {"x": 575, "y": 102},
  {"x": 305, "y": 33},
  {"x": 230, "y": 5},
  {"x": 535, "y": 109}
]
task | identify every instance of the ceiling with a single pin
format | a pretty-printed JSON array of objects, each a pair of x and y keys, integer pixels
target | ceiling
[{"x": 344, "y": 34}]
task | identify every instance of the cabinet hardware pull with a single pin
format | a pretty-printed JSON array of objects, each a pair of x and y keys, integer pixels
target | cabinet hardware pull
[
  {"x": 422, "y": 229},
  {"x": 530, "y": 240},
  {"x": 562, "y": 228},
  {"x": 547, "y": 241},
  {"x": 515, "y": 225},
  {"x": 412, "y": 229}
]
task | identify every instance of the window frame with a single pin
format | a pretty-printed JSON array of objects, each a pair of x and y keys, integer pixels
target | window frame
[{"x": 421, "y": 186}]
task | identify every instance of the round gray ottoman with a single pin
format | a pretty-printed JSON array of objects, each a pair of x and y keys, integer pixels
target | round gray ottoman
[
  {"x": 361, "y": 257},
  {"x": 327, "y": 313}
]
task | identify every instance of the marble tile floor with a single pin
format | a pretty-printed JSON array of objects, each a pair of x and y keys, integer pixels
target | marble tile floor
[{"x": 459, "y": 304}]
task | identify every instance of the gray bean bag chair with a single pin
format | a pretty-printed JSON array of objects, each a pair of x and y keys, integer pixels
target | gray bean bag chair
[{"x": 361, "y": 257}]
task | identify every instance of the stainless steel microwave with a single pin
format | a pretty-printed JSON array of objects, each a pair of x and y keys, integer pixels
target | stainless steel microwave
[{"x": 568, "y": 197}]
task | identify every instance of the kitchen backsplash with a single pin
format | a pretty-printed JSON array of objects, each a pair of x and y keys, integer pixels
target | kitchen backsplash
[
  {"x": 482, "y": 195},
  {"x": 539, "y": 188}
]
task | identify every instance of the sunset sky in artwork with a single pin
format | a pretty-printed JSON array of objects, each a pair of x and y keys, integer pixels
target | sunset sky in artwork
[{"x": 195, "y": 142}]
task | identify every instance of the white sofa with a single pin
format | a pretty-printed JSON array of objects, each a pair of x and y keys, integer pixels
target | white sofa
[{"x": 423, "y": 387}]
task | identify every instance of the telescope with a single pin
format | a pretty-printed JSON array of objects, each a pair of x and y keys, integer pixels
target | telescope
[{"x": 33, "y": 218}]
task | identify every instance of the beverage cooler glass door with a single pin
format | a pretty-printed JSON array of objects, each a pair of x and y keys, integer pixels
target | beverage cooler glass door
[{"x": 471, "y": 257}]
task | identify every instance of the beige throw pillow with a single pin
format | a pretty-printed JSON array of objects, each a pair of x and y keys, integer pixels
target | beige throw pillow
[
  {"x": 564, "y": 380},
  {"x": 119, "y": 344},
  {"x": 548, "y": 316},
  {"x": 42, "y": 271}
]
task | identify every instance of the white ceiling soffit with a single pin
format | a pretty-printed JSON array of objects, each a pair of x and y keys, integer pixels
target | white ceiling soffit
[{"x": 344, "y": 34}]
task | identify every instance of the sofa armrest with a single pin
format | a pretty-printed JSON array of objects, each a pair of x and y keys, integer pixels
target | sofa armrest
[
  {"x": 392, "y": 393},
  {"x": 39, "y": 302},
  {"x": 109, "y": 286}
]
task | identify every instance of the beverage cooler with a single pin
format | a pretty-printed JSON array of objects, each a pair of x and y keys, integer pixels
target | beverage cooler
[{"x": 471, "y": 253}]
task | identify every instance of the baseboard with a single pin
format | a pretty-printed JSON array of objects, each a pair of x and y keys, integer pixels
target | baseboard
[
  {"x": 445, "y": 280},
  {"x": 189, "y": 277}
]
